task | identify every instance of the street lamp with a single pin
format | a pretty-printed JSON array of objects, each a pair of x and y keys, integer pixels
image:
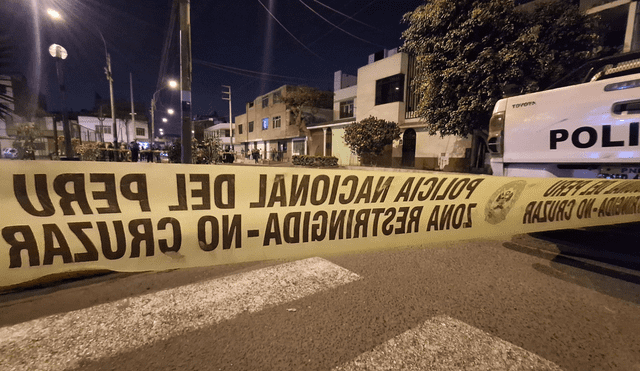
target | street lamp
[
  {"x": 53, "y": 14},
  {"x": 107, "y": 70},
  {"x": 60, "y": 53},
  {"x": 170, "y": 111},
  {"x": 171, "y": 84},
  {"x": 164, "y": 119}
]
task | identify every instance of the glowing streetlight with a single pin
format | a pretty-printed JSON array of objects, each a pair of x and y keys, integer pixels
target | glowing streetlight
[
  {"x": 54, "y": 14},
  {"x": 164, "y": 119},
  {"x": 170, "y": 111},
  {"x": 171, "y": 84}
]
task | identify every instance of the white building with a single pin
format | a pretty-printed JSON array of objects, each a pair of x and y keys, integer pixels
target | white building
[
  {"x": 222, "y": 131},
  {"x": 383, "y": 91},
  {"x": 128, "y": 131}
]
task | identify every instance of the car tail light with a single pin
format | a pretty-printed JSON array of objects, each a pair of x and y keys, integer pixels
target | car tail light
[{"x": 495, "y": 143}]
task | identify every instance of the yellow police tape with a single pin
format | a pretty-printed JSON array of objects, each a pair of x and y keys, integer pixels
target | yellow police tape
[{"x": 63, "y": 217}]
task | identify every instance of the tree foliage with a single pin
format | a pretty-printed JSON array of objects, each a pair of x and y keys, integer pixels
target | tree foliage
[
  {"x": 304, "y": 101},
  {"x": 467, "y": 50},
  {"x": 206, "y": 152},
  {"x": 367, "y": 138},
  {"x": 25, "y": 139}
]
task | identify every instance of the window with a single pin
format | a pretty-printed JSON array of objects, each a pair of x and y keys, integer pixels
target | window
[
  {"x": 276, "y": 97},
  {"x": 346, "y": 109},
  {"x": 104, "y": 129},
  {"x": 298, "y": 147},
  {"x": 250, "y": 104},
  {"x": 250, "y": 126},
  {"x": 226, "y": 134},
  {"x": 276, "y": 122},
  {"x": 140, "y": 132},
  {"x": 265, "y": 101},
  {"x": 265, "y": 123},
  {"x": 239, "y": 129},
  {"x": 390, "y": 89}
]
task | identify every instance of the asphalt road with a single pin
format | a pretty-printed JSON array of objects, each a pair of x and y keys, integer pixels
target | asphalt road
[{"x": 565, "y": 300}]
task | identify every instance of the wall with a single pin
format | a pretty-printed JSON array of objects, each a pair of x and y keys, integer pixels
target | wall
[
  {"x": 367, "y": 77},
  {"x": 340, "y": 150}
]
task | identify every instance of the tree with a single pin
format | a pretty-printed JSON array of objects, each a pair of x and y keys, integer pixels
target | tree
[
  {"x": 304, "y": 102},
  {"x": 26, "y": 135},
  {"x": 468, "y": 51},
  {"x": 559, "y": 39},
  {"x": 367, "y": 138}
]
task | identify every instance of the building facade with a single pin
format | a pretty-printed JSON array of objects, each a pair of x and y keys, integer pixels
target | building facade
[
  {"x": 223, "y": 132},
  {"x": 268, "y": 127},
  {"x": 100, "y": 129},
  {"x": 383, "y": 90}
]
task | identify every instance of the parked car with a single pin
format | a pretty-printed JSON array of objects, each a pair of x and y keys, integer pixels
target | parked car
[
  {"x": 164, "y": 157},
  {"x": 10, "y": 153}
]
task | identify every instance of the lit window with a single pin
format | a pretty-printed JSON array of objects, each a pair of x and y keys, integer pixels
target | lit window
[
  {"x": 140, "y": 132},
  {"x": 265, "y": 123},
  {"x": 390, "y": 89},
  {"x": 276, "y": 122}
]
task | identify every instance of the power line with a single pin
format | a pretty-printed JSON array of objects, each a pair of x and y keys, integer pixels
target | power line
[
  {"x": 343, "y": 22},
  {"x": 346, "y": 16},
  {"x": 255, "y": 74},
  {"x": 336, "y": 26},
  {"x": 295, "y": 38}
]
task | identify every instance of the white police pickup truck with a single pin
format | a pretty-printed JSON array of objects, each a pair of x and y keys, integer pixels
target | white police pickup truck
[{"x": 587, "y": 129}]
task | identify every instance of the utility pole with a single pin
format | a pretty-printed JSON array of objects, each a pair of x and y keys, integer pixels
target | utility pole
[
  {"x": 185, "y": 78},
  {"x": 107, "y": 71},
  {"x": 153, "y": 109},
  {"x": 133, "y": 113},
  {"x": 230, "y": 114},
  {"x": 68, "y": 148}
]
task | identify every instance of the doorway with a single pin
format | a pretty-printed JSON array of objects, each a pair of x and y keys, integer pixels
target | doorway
[{"x": 409, "y": 148}]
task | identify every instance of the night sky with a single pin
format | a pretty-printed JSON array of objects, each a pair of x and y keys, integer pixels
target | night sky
[{"x": 234, "y": 43}]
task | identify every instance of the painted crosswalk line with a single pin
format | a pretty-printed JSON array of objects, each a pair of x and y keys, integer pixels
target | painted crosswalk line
[
  {"x": 61, "y": 341},
  {"x": 444, "y": 343}
]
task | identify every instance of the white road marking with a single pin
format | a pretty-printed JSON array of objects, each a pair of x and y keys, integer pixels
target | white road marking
[
  {"x": 443, "y": 343},
  {"x": 62, "y": 341}
]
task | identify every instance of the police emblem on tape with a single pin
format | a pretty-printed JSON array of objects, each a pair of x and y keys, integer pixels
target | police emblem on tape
[{"x": 502, "y": 200}]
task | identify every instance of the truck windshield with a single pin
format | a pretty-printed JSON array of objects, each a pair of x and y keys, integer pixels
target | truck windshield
[{"x": 599, "y": 69}]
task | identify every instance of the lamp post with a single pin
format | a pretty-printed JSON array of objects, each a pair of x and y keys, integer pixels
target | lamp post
[
  {"x": 171, "y": 84},
  {"x": 107, "y": 70},
  {"x": 60, "y": 53}
]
